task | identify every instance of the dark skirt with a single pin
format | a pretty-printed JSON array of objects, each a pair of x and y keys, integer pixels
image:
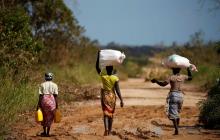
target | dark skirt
[{"x": 108, "y": 102}]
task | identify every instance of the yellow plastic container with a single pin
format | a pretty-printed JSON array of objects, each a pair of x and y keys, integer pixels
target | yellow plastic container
[
  {"x": 58, "y": 116},
  {"x": 39, "y": 115}
]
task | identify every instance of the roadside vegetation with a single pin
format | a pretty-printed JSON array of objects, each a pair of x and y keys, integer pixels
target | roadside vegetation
[
  {"x": 210, "y": 108},
  {"x": 36, "y": 37}
]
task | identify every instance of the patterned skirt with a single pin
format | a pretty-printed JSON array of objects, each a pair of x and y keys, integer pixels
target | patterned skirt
[
  {"x": 48, "y": 106},
  {"x": 175, "y": 101},
  {"x": 108, "y": 102}
]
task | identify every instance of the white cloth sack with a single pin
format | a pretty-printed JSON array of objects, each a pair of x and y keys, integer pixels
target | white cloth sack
[
  {"x": 177, "y": 61},
  {"x": 110, "y": 57}
]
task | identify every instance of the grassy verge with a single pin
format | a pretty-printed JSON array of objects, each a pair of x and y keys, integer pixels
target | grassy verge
[
  {"x": 79, "y": 74},
  {"x": 14, "y": 98}
]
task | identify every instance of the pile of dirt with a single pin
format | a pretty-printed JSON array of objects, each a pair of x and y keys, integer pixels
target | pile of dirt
[
  {"x": 78, "y": 93},
  {"x": 139, "y": 133}
]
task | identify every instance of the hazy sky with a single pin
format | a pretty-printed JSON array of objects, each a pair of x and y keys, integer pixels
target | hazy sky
[{"x": 145, "y": 22}]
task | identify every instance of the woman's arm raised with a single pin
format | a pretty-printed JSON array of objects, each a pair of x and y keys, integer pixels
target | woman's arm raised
[{"x": 97, "y": 63}]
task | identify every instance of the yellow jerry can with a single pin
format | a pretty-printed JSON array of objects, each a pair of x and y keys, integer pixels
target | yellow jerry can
[{"x": 39, "y": 115}]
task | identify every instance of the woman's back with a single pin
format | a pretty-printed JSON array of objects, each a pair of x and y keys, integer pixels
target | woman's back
[
  {"x": 176, "y": 81},
  {"x": 108, "y": 81},
  {"x": 48, "y": 87}
]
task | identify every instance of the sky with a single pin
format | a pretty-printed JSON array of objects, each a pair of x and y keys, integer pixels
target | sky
[{"x": 146, "y": 22}]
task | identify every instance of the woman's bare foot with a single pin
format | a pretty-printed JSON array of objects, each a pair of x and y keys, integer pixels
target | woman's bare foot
[
  {"x": 47, "y": 135},
  {"x": 43, "y": 134},
  {"x": 176, "y": 132},
  {"x": 106, "y": 133}
]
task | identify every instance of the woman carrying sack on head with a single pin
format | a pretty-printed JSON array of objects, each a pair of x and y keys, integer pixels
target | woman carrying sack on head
[
  {"x": 108, "y": 96},
  {"x": 175, "y": 96},
  {"x": 48, "y": 103}
]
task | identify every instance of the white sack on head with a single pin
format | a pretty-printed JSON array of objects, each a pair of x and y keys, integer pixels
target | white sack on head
[
  {"x": 110, "y": 57},
  {"x": 177, "y": 61}
]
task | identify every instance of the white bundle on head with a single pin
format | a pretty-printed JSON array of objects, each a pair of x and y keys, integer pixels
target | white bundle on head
[
  {"x": 110, "y": 57},
  {"x": 177, "y": 61}
]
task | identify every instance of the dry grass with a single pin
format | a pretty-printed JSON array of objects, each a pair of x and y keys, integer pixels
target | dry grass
[{"x": 156, "y": 72}]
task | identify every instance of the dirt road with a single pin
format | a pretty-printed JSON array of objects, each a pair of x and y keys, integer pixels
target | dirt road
[{"x": 142, "y": 117}]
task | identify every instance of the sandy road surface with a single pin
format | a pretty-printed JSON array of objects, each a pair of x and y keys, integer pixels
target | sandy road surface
[
  {"x": 142, "y": 117},
  {"x": 138, "y": 92}
]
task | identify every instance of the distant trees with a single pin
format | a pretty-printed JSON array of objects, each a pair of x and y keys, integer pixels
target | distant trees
[
  {"x": 196, "y": 39},
  {"x": 38, "y": 31},
  {"x": 52, "y": 19}
]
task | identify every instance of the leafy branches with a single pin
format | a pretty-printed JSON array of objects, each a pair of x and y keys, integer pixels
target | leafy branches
[{"x": 18, "y": 48}]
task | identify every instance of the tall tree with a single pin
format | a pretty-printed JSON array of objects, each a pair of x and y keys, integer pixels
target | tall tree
[{"x": 18, "y": 49}]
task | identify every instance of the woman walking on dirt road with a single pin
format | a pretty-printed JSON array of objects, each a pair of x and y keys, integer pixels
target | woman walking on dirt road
[
  {"x": 175, "y": 96},
  {"x": 48, "y": 92},
  {"x": 108, "y": 98}
]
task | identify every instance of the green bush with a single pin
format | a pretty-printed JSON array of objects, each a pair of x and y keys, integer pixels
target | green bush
[
  {"x": 18, "y": 49},
  {"x": 18, "y": 52},
  {"x": 210, "y": 108}
]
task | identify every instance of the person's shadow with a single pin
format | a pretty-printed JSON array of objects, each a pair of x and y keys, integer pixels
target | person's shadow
[
  {"x": 171, "y": 126},
  {"x": 39, "y": 135}
]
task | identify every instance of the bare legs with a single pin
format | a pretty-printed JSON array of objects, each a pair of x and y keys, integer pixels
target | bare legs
[
  {"x": 110, "y": 121},
  {"x": 108, "y": 125},
  {"x": 46, "y": 132},
  {"x": 176, "y": 125},
  {"x": 178, "y": 122}
]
